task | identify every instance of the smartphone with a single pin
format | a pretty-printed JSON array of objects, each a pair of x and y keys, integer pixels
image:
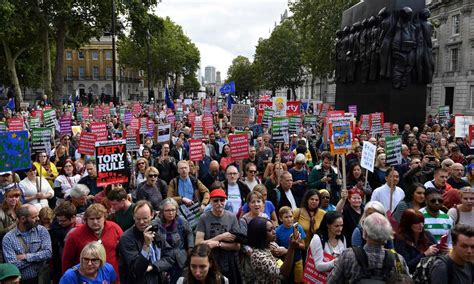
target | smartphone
[
  {"x": 443, "y": 242},
  {"x": 295, "y": 230}
]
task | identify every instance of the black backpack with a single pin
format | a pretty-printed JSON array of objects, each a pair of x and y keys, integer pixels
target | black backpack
[
  {"x": 373, "y": 275},
  {"x": 422, "y": 273}
]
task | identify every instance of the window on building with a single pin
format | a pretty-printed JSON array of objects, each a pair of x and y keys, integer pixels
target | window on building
[
  {"x": 108, "y": 71},
  {"x": 429, "y": 96},
  {"x": 68, "y": 55},
  {"x": 108, "y": 54},
  {"x": 95, "y": 73},
  {"x": 454, "y": 59},
  {"x": 95, "y": 55},
  {"x": 472, "y": 97},
  {"x": 69, "y": 72},
  {"x": 82, "y": 72},
  {"x": 434, "y": 34},
  {"x": 80, "y": 55},
  {"x": 456, "y": 24}
]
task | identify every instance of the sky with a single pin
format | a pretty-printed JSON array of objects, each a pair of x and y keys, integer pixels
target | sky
[{"x": 224, "y": 29}]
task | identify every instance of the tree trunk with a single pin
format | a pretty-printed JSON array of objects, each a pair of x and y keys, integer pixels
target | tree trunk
[
  {"x": 11, "y": 60},
  {"x": 58, "y": 65},
  {"x": 176, "y": 87},
  {"x": 46, "y": 63}
]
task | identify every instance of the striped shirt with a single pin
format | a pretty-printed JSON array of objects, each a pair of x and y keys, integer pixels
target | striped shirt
[{"x": 437, "y": 226}]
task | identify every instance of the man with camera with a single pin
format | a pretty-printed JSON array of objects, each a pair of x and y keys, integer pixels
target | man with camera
[{"x": 142, "y": 257}]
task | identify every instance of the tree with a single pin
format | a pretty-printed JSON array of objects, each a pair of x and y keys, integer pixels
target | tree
[
  {"x": 190, "y": 84},
  {"x": 278, "y": 58},
  {"x": 242, "y": 72}
]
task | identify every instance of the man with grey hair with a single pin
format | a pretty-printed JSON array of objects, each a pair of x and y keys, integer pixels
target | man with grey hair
[
  {"x": 79, "y": 197},
  {"x": 371, "y": 262}
]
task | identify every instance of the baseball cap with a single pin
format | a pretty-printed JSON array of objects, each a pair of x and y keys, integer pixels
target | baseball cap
[
  {"x": 5, "y": 173},
  {"x": 218, "y": 192},
  {"x": 8, "y": 270}
]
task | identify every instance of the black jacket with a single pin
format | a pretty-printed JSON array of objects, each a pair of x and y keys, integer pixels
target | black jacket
[
  {"x": 243, "y": 188},
  {"x": 174, "y": 152}
]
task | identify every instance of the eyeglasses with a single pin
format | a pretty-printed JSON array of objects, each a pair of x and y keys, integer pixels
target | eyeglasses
[
  {"x": 169, "y": 210},
  {"x": 141, "y": 163},
  {"x": 440, "y": 201},
  {"x": 324, "y": 197},
  {"x": 153, "y": 176},
  {"x": 232, "y": 174},
  {"x": 221, "y": 200},
  {"x": 91, "y": 260},
  {"x": 253, "y": 172}
]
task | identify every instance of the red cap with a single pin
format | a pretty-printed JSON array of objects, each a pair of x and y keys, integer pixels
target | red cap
[{"x": 218, "y": 192}]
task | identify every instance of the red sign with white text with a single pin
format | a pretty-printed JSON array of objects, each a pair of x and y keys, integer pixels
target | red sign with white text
[
  {"x": 15, "y": 124},
  {"x": 196, "y": 151},
  {"x": 87, "y": 143},
  {"x": 293, "y": 108},
  {"x": 239, "y": 146},
  {"x": 100, "y": 130}
]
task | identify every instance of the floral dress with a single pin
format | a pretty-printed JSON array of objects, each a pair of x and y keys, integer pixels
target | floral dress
[{"x": 265, "y": 266}]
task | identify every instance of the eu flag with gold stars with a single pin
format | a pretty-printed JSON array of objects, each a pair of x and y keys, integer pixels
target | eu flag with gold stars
[{"x": 15, "y": 151}]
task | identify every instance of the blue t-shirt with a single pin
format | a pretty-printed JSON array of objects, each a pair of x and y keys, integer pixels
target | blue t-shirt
[
  {"x": 105, "y": 275},
  {"x": 269, "y": 208},
  {"x": 283, "y": 238},
  {"x": 329, "y": 208}
]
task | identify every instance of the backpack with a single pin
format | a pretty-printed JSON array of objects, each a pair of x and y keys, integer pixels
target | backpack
[
  {"x": 373, "y": 275},
  {"x": 422, "y": 273}
]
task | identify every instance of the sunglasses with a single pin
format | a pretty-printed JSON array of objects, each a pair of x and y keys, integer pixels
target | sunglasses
[
  {"x": 324, "y": 197},
  {"x": 141, "y": 163},
  {"x": 440, "y": 201},
  {"x": 221, "y": 200},
  {"x": 253, "y": 172},
  {"x": 153, "y": 176}
]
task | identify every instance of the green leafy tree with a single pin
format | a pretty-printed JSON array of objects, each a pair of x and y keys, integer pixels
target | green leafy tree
[
  {"x": 190, "y": 85},
  {"x": 242, "y": 72}
]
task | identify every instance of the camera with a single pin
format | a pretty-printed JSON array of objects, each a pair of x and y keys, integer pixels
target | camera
[{"x": 154, "y": 228}]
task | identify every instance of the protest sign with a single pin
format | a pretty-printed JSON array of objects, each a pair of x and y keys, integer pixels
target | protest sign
[
  {"x": 87, "y": 143},
  {"x": 239, "y": 146},
  {"x": 136, "y": 108},
  {"x": 135, "y": 123},
  {"x": 267, "y": 118},
  {"x": 35, "y": 122},
  {"x": 197, "y": 129},
  {"x": 387, "y": 129},
  {"x": 461, "y": 125},
  {"x": 280, "y": 127},
  {"x": 85, "y": 113},
  {"x": 365, "y": 122},
  {"x": 151, "y": 126},
  {"x": 239, "y": 116},
  {"x": 310, "y": 121},
  {"x": 376, "y": 123},
  {"x": 100, "y": 130},
  {"x": 133, "y": 140},
  {"x": 471, "y": 136},
  {"x": 76, "y": 129},
  {"x": 295, "y": 124},
  {"x": 65, "y": 123},
  {"x": 111, "y": 158},
  {"x": 3, "y": 126},
  {"x": 41, "y": 140},
  {"x": 127, "y": 117},
  {"x": 49, "y": 117},
  {"x": 208, "y": 123},
  {"x": 393, "y": 150},
  {"x": 15, "y": 124},
  {"x": 171, "y": 118},
  {"x": 341, "y": 136},
  {"x": 163, "y": 133},
  {"x": 143, "y": 125},
  {"x": 98, "y": 113},
  {"x": 353, "y": 109},
  {"x": 311, "y": 273},
  {"x": 196, "y": 151},
  {"x": 443, "y": 115},
  {"x": 106, "y": 110},
  {"x": 37, "y": 113},
  {"x": 15, "y": 151},
  {"x": 293, "y": 108},
  {"x": 367, "y": 159},
  {"x": 279, "y": 106},
  {"x": 317, "y": 107},
  {"x": 261, "y": 107}
]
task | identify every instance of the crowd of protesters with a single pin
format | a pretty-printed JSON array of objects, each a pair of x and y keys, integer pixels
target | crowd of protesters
[{"x": 269, "y": 218}]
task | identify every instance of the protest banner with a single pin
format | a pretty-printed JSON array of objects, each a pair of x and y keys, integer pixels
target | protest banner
[
  {"x": 261, "y": 107},
  {"x": 97, "y": 113},
  {"x": 143, "y": 125},
  {"x": 387, "y": 129},
  {"x": 393, "y": 150},
  {"x": 136, "y": 108},
  {"x": 15, "y": 151},
  {"x": 197, "y": 128},
  {"x": 367, "y": 159},
  {"x": 106, "y": 110},
  {"x": 196, "y": 151},
  {"x": 341, "y": 137},
  {"x": 267, "y": 118},
  {"x": 15, "y": 124},
  {"x": 310, "y": 121},
  {"x": 317, "y": 107},
  {"x": 365, "y": 122},
  {"x": 163, "y": 133},
  {"x": 471, "y": 136},
  {"x": 133, "y": 140},
  {"x": 110, "y": 157},
  {"x": 151, "y": 126},
  {"x": 461, "y": 125},
  {"x": 87, "y": 143},
  {"x": 41, "y": 140},
  {"x": 280, "y": 127},
  {"x": 353, "y": 109},
  {"x": 376, "y": 123},
  {"x": 65, "y": 123},
  {"x": 279, "y": 106},
  {"x": 239, "y": 146},
  {"x": 293, "y": 108},
  {"x": 295, "y": 124},
  {"x": 113, "y": 111},
  {"x": 35, "y": 122},
  {"x": 208, "y": 123},
  {"x": 311, "y": 273},
  {"x": 171, "y": 118},
  {"x": 3, "y": 126},
  {"x": 85, "y": 113},
  {"x": 100, "y": 130},
  {"x": 37, "y": 113},
  {"x": 135, "y": 123},
  {"x": 443, "y": 115},
  {"x": 49, "y": 117},
  {"x": 239, "y": 115},
  {"x": 76, "y": 129}
]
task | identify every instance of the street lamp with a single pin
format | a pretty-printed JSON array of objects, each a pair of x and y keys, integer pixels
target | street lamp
[
  {"x": 150, "y": 88},
  {"x": 114, "y": 83}
]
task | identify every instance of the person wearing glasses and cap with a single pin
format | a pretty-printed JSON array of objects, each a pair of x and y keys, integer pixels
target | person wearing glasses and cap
[{"x": 215, "y": 229}]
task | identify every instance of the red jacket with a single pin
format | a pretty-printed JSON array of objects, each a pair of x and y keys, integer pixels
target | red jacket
[{"x": 77, "y": 239}]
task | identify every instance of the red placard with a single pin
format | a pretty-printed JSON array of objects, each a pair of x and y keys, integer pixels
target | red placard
[
  {"x": 106, "y": 110},
  {"x": 191, "y": 117},
  {"x": 98, "y": 113},
  {"x": 85, "y": 113},
  {"x": 261, "y": 107},
  {"x": 293, "y": 108},
  {"x": 364, "y": 122},
  {"x": 135, "y": 124},
  {"x": 99, "y": 129},
  {"x": 137, "y": 108},
  {"x": 15, "y": 124},
  {"x": 239, "y": 146},
  {"x": 471, "y": 136},
  {"x": 208, "y": 123},
  {"x": 37, "y": 113},
  {"x": 310, "y": 274},
  {"x": 87, "y": 143},
  {"x": 196, "y": 151}
]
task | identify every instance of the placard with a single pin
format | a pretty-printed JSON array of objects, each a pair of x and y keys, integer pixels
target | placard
[
  {"x": 261, "y": 107},
  {"x": 136, "y": 108},
  {"x": 295, "y": 124},
  {"x": 267, "y": 118},
  {"x": 208, "y": 123},
  {"x": 100, "y": 130},
  {"x": 367, "y": 159},
  {"x": 127, "y": 117},
  {"x": 65, "y": 123},
  {"x": 197, "y": 129},
  {"x": 471, "y": 136},
  {"x": 239, "y": 146},
  {"x": 393, "y": 150},
  {"x": 239, "y": 116},
  {"x": 280, "y": 127},
  {"x": 98, "y": 113},
  {"x": 85, "y": 113},
  {"x": 365, "y": 122},
  {"x": 111, "y": 162},
  {"x": 133, "y": 140},
  {"x": 311, "y": 274},
  {"x": 279, "y": 106},
  {"x": 353, "y": 109},
  {"x": 15, "y": 151},
  {"x": 35, "y": 122},
  {"x": 3, "y": 126},
  {"x": 443, "y": 115},
  {"x": 461, "y": 125},
  {"x": 87, "y": 143},
  {"x": 341, "y": 135},
  {"x": 376, "y": 123},
  {"x": 41, "y": 140},
  {"x": 49, "y": 117},
  {"x": 143, "y": 125},
  {"x": 163, "y": 133},
  {"x": 196, "y": 151},
  {"x": 310, "y": 121},
  {"x": 293, "y": 108},
  {"x": 15, "y": 124},
  {"x": 387, "y": 129}
]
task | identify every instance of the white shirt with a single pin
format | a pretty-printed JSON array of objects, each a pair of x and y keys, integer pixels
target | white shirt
[
  {"x": 252, "y": 184},
  {"x": 291, "y": 198},
  {"x": 233, "y": 196},
  {"x": 318, "y": 252},
  {"x": 29, "y": 189},
  {"x": 382, "y": 195},
  {"x": 66, "y": 183}
]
